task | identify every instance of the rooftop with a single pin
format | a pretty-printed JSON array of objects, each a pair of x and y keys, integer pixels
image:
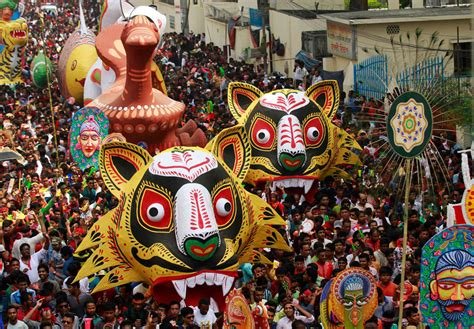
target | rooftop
[
  {"x": 402, "y": 15},
  {"x": 309, "y": 14}
]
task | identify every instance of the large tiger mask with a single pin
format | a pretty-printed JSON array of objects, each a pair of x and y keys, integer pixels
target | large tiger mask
[
  {"x": 184, "y": 222},
  {"x": 293, "y": 139}
]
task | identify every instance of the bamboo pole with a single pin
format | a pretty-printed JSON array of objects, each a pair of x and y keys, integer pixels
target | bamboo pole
[
  {"x": 408, "y": 170},
  {"x": 48, "y": 81}
]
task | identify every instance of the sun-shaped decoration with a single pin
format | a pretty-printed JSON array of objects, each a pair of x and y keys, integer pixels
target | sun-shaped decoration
[
  {"x": 415, "y": 119},
  {"x": 410, "y": 124}
]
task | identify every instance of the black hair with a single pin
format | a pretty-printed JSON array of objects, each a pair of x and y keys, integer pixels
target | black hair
[
  {"x": 138, "y": 296},
  {"x": 364, "y": 256},
  {"x": 9, "y": 307},
  {"x": 299, "y": 258},
  {"x": 45, "y": 325},
  {"x": 109, "y": 306},
  {"x": 354, "y": 263},
  {"x": 410, "y": 311},
  {"x": 204, "y": 301},
  {"x": 44, "y": 267},
  {"x": 312, "y": 273},
  {"x": 24, "y": 244},
  {"x": 22, "y": 277},
  {"x": 298, "y": 324},
  {"x": 174, "y": 302},
  {"x": 91, "y": 301},
  {"x": 185, "y": 311},
  {"x": 386, "y": 270}
]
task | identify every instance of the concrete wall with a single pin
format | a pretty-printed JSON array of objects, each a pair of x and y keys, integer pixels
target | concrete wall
[
  {"x": 171, "y": 11},
  {"x": 197, "y": 13},
  {"x": 196, "y": 17},
  {"x": 371, "y": 35},
  {"x": 288, "y": 29},
  {"x": 216, "y": 32}
]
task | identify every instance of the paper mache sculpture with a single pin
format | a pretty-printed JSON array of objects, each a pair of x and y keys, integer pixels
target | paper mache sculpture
[
  {"x": 142, "y": 114},
  {"x": 447, "y": 279},
  {"x": 100, "y": 76},
  {"x": 463, "y": 213},
  {"x": 348, "y": 300},
  {"x": 237, "y": 313},
  {"x": 89, "y": 127},
  {"x": 75, "y": 60},
  {"x": 293, "y": 139},
  {"x": 184, "y": 223},
  {"x": 41, "y": 70},
  {"x": 13, "y": 38}
]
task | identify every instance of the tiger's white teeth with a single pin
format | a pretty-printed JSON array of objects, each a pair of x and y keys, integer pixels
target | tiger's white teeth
[
  {"x": 293, "y": 182},
  {"x": 200, "y": 279},
  {"x": 181, "y": 287},
  {"x": 227, "y": 285},
  {"x": 191, "y": 282},
  {"x": 307, "y": 185},
  {"x": 213, "y": 305},
  {"x": 209, "y": 279}
]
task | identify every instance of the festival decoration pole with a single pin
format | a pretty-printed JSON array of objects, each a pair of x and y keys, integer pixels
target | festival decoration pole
[
  {"x": 48, "y": 80},
  {"x": 408, "y": 170}
]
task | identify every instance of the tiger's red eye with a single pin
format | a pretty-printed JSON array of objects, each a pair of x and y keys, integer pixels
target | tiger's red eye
[
  {"x": 155, "y": 209},
  {"x": 224, "y": 206},
  {"x": 313, "y": 132},
  {"x": 263, "y": 133}
]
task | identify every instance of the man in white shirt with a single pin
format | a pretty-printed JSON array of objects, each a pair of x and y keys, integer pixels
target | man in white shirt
[
  {"x": 364, "y": 261},
  {"x": 33, "y": 241},
  {"x": 29, "y": 263},
  {"x": 315, "y": 76},
  {"x": 204, "y": 317},
  {"x": 290, "y": 316},
  {"x": 12, "y": 319},
  {"x": 300, "y": 73},
  {"x": 363, "y": 204}
]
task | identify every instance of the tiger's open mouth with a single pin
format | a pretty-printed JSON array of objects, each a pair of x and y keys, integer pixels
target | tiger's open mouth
[
  {"x": 191, "y": 289},
  {"x": 18, "y": 34}
]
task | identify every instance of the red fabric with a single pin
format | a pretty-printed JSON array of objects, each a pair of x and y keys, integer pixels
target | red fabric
[
  {"x": 325, "y": 269},
  {"x": 388, "y": 290}
]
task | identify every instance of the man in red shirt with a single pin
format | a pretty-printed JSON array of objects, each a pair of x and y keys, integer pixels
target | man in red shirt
[
  {"x": 385, "y": 283},
  {"x": 324, "y": 267}
]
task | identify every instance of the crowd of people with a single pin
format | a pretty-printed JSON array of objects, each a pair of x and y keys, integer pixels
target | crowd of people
[{"x": 48, "y": 204}]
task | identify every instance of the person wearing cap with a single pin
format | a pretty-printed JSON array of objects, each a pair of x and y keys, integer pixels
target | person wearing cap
[
  {"x": 307, "y": 300},
  {"x": 54, "y": 255}
]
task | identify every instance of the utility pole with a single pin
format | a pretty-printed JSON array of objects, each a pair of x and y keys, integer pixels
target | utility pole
[
  {"x": 263, "y": 8},
  {"x": 458, "y": 52}
]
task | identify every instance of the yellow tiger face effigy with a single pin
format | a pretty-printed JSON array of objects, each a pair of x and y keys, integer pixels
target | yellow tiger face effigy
[
  {"x": 184, "y": 222},
  {"x": 293, "y": 139},
  {"x": 14, "y": 33}
]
